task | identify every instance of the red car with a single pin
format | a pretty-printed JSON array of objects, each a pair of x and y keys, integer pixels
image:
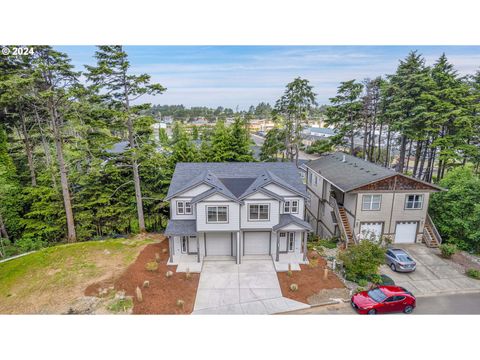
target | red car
[{"x": 384, "y": 299}]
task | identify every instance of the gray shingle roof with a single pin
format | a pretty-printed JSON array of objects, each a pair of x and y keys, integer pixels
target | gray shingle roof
[
  {"x": 187, "y": 175},
  {"x": 353, "y": 172},
  {"x": 349, "y": 174},
  {"x": 181, "y": 228},
  {"x": 286, "y": 219}
]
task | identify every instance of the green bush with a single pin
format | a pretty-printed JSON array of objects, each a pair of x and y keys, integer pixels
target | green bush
[
  {"x": 473, "y": 273},
  {"x": 448, "y": 250},
  {"x": 363, "y": 260},
  {"x": 362, "y": 282},
  {"x": 328, "y": 243}
]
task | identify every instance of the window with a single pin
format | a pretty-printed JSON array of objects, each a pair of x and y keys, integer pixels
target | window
[
  {"x": 217, "y": 214},
  {"x": 371, "y": 202},
  {"x": 316, "y": 180},
  {"x": 291, "y": 241},
  {"x": 290, "y": 207},
  {"x": 184, "y": 208},
  {"x": 258, "y": 212},
  {"x": 414, "y": 202},
  {"x": 310, "y": 178},
  {"x": 282, "y": 234}
]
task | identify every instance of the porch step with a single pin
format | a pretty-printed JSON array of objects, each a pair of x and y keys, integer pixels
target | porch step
[
  {"x": 218, "y": 258},
  {"x": 346, "y": 225},
  {"x": 430, "y": 240}
]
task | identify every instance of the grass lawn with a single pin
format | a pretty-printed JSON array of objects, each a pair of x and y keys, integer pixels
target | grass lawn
[{"x": 49, "y": 280}]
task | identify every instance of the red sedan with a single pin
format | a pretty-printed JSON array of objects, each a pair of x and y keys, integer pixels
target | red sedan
[{"x": 384, "y": 299}]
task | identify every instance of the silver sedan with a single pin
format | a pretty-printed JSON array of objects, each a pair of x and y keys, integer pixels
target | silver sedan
[{"x": 400, "y": 260}]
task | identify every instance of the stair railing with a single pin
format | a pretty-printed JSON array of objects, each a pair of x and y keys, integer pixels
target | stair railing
[
  {"x": 343, "y": 232},
  {"x": 436, "y": 234}
]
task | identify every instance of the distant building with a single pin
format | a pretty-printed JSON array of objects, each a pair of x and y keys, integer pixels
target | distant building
[{"x": 312, "y": 134}]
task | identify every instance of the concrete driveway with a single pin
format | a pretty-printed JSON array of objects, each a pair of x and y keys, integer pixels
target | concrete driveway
[
  {"x": 249, "y": 288},
  {"x": 433, "y": 275}
]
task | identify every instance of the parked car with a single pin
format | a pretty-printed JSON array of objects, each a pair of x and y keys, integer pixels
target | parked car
[
  {"x": 400, "y": 260},
  {"x": 384, "y": 299}
]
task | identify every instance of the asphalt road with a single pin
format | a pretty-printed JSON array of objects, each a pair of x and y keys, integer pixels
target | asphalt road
[
  {"x": 302, "y": 155},
  {"x": 462, "y": 304}
]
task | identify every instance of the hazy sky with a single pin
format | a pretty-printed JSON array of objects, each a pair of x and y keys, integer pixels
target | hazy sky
[{"x": 231, "y": 76}]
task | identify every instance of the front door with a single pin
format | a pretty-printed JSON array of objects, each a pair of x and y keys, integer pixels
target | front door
[
  {"x": 287, "y": 241},
  {"x": 192, "y": 245}
]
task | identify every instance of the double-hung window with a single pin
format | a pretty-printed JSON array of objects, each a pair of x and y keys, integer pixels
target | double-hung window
[
  {"x": 290, "y": 207},
  {"x": 217, "y": 214},
  {"x": 184, "y": 208},
  {"x": 371, "y": 202},
  {"x": 258, "y": 212},
  {"x": 414, "y": 202}
]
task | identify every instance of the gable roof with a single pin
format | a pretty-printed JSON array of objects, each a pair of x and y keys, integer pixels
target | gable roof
[
  {"x": 348, "y": 172},
  {"x": 287, "y": 219},
  {"x": 236, "y": 179}
]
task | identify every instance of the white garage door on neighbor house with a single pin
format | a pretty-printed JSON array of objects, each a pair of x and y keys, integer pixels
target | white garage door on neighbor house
[
  {"x": 371, "y": 230},
  {"x": 257, "y": 243},
  {"x": 406, "y": 232}
]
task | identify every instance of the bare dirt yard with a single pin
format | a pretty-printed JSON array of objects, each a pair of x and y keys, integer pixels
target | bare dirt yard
[
  {"x": 50, "y": 280},
  {"x": 163, "y": 295},
  {"x": 311, "y": 281}
]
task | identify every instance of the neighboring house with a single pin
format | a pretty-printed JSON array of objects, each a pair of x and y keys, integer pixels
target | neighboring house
[
  {"x": 312, "y": 134},
  {"x": 354, "y": 199},
  {"x": 236, "y": 210}
]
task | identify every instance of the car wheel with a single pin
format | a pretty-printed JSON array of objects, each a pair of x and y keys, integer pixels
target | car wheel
[
  {"x": 408, "y": 309},
  {"x": 372, "y": 312},
  {"x": 392, "y": 266}
]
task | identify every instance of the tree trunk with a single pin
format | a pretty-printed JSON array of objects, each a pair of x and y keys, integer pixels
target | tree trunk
[
  {"x": 424, "y": 157},
  {"x": 403, "y": 149},
  {"x": 3, "y": 229},
  {"x": 387, "y": 152},
  {"x": 28, "y": 148},
  {"x": 409, "y": 154},
  {"x": 71, "y": 234},
  {"x": 380, "y": 142},
  {"x": 418, "y": 152},
  {"x": 46, "y": 150}
]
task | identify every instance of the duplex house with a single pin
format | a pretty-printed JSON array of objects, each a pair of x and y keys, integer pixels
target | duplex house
[
  {"x": 236, "y": 210},
  {"x": 354, "y": 200}
]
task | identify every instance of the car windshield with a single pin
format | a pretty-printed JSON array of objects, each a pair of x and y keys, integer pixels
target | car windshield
[
  {"x": 377, "y": 295},
  {"x": 404, "y": 258}
]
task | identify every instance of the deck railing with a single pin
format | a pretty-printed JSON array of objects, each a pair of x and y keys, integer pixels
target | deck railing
[{"x": 429, "y": 222}]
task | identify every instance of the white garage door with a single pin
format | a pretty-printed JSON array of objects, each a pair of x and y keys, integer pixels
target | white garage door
[
  {"x": 406, "y": 232},
  {"x": 219, "y": 244},
  {"x": 257, "y": 243},
  {"x": 370, "y": 230}
]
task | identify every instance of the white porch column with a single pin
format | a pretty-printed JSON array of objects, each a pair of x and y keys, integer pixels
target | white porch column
[
  {"x": 277, "y": 256},
  {"x": 238, "y": 248},
  {"x": 198, "y": 248},
  {"x": 305, "y": 248},
  {"x": 171, "y": 247}
]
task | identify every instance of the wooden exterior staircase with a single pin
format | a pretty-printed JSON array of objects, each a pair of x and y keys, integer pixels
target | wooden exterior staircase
[
  {"x": 346, "y": 226},
  {"x": 431, "y": 236},
  {"x": 346, "y": 232}
]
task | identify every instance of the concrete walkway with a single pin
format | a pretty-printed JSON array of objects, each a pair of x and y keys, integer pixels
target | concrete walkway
[
  {"x": 433, "y": 274},
  {"x": 249, "y": 288}
]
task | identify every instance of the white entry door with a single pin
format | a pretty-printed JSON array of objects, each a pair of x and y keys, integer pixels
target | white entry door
[
  {"x": 219, "y": 244},
  {"x": 406, "y": 232},
  {"x": 371, "y": 230},
  {"x": 256, "y": 243}
]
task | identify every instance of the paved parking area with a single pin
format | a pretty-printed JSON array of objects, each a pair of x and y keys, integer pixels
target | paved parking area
[
  {"x": 433, "y": 275},
  {"x": 249, "y": 288}
]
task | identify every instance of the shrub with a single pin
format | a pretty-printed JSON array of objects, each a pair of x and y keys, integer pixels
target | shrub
[
  {"x": 448, "y": 250},
  {"x": 289, "y": 273},
  {"x": 328, "y": 243},
  {"x": 157, "y": 257},
  {"x": 473, "y": 273},
  {"x": 362, "y": 282},
  {"x": 188, "y": 275},
  {"x": 164, "y": 251},
  {"x": 359, "y": 289},
  {"x": 313, "y": 263},
  {"x": 181, "y": 303},
  {"x": 121, "y": 305},
  {"x": 146, "y": 284},
  {"x": 362, "y": 261},
  {"x": 293, "y": 287},
  {"x": 169, "y": 274},
  {"x": 376, "y": 279},
  {"x": 151, "y": 266}
]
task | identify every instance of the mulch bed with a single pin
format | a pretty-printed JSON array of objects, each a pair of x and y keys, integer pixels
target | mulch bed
[
  {"x": 464, "y": 261},
  {"x": 310, "y": 280},
  {"x": 162, "y": 294}
]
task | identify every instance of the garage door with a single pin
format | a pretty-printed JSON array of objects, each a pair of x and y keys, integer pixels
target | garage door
[
  {"x": 406, "y": 232},
  {"x": 371, "y": 230},
  {"x": 219, "y": 244},
  {"x": 256, "y": 243}
]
